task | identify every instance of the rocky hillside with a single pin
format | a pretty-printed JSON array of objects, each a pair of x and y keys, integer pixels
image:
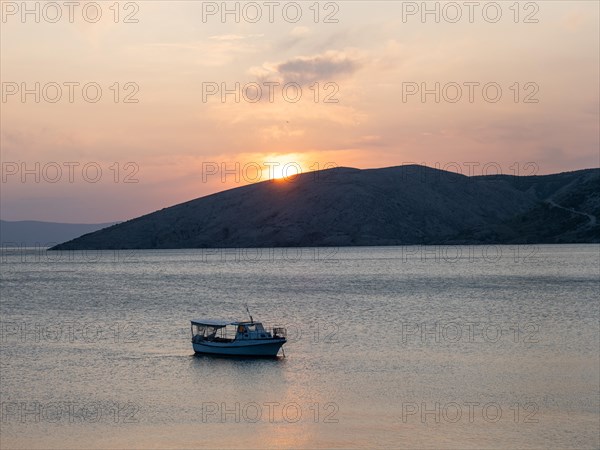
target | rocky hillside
[{"x": 390, "y": 206}]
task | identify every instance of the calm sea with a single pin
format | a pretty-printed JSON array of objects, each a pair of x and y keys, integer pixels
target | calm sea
[{"x": 404, "y": 347}]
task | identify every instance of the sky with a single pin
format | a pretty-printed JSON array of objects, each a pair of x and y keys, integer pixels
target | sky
[{"x": 114, "y": 110}]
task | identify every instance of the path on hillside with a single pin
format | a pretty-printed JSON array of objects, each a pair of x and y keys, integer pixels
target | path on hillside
[{"x": 591, "y": 217}]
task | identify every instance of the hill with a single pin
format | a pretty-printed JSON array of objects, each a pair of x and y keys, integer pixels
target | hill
[{"x": 388, "y": 206}]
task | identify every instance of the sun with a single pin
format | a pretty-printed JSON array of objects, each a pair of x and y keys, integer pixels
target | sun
[
  {"x": 276, "y": 172},
  {"x": 282, "y": 168}
]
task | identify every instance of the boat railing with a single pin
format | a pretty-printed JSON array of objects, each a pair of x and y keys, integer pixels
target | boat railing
[
  {"x": 279, "y": 332},
  {"x": 275, "y": 331},
  {"x": 225, "y": 334}
]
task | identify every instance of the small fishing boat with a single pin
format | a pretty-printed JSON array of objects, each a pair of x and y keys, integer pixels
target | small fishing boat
[{"x": 236, "y": 338}]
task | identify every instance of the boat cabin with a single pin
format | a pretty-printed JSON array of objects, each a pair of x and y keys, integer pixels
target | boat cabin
[{"x": 228, "y": 331}]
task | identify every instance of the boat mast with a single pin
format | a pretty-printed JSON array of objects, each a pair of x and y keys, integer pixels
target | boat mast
[{"x": 248, "y": 311}]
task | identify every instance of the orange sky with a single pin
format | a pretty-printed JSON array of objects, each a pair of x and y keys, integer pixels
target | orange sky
[{"x": 365, "y": 58}]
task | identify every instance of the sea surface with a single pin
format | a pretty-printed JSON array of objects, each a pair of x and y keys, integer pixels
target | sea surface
[{"x": 395, "y": 347}]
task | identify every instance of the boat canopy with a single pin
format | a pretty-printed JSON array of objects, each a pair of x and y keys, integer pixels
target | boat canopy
[
  {"x": 216, "y": 322},
  {"x": 213, "y": 322}
]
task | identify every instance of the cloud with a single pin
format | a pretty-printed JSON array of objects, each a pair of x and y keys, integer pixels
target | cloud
[
  {"x": 296, "y": 36},
  {"x": 300, "y": 32},
  {"x": 277, "y": 132},
  {"x": 329, "y": 67},
  {"x": 234, "y": 37},
  {"x": 216, "y": 51}
]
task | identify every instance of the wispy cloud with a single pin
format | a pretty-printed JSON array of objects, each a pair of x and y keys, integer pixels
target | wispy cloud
[
  {"x": 234, "y": 37},
  {"x": 216, "y": 51}
]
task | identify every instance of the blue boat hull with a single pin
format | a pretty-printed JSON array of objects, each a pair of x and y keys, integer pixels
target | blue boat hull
[{"x": 257, "y": 348}]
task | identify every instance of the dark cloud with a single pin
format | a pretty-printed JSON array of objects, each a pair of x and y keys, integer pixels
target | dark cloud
[{"x": 326, "y": 67}]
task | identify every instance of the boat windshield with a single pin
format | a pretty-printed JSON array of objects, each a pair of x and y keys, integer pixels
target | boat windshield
[{"x": 250, "y": 327}]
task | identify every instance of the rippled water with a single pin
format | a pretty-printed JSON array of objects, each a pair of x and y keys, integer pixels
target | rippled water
[{"x": 408, "y": 347}]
